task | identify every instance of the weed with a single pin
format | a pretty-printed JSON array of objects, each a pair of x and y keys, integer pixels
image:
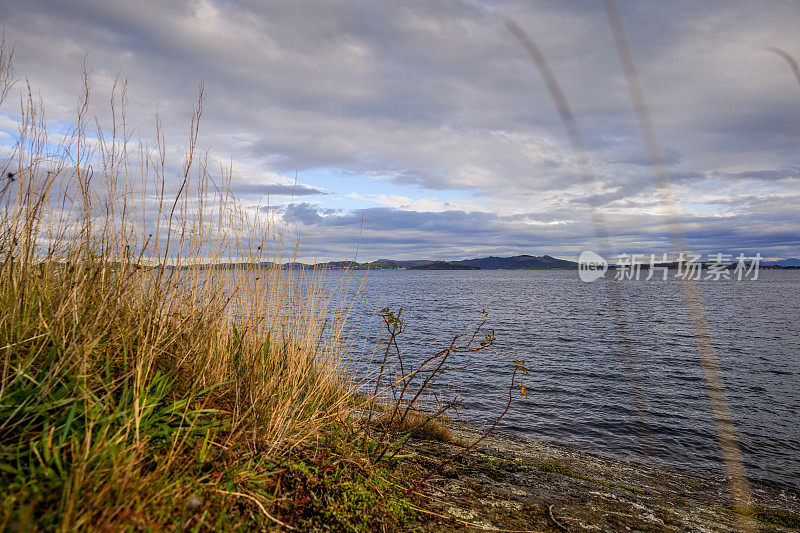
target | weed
[
  {"x": 142, "y": 388},
  {"x": 149, "y": 383},
  {"x": 420, "y": 425}
]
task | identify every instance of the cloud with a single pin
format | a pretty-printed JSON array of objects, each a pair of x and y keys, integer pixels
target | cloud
[
  {"x": 275, "y": 189},
  {"x": 773, "y": 174},
  {"x": 415, "y": 106},
  {"x": 398, "y": 233}
]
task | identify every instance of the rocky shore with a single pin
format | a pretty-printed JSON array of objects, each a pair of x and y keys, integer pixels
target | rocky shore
[{"x": 511, "y": 484}]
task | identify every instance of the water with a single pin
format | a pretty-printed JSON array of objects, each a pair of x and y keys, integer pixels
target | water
[{"x": 579, "y": 392}]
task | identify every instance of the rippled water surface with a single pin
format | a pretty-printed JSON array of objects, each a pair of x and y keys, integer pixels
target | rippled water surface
[{"x": 579, "y": 389}]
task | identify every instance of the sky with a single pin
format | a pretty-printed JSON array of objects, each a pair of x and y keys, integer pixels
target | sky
[{"x": 423, "y": 130}]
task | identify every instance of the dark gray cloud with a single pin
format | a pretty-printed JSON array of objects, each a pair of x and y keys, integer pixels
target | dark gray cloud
[
  {"x": 388, "y": 219},
  {"x": 774, "y": 174},
  {"x": 274, "y": 189}
]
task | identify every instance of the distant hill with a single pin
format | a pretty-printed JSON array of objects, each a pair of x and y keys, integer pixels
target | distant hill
[
  {"x": 380, "y": 264},
  {"x": 518, "y": 262},
  {"x": 415, "y": 262},
  {"x": 793, "y": 262},
  {"x": 336, "y": 265},
  {"x": 444, "y": 265},
  {"x": 483, "y": 263}
]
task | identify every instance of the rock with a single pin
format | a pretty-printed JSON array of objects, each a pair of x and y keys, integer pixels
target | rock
[{"x": 511, "y": 483}]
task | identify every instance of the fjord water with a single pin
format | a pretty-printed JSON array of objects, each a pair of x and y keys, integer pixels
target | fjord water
[{"x": 579, "y": 388}]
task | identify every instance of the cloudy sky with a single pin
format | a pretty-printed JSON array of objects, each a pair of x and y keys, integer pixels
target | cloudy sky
[{"x": 422, "y": 129}]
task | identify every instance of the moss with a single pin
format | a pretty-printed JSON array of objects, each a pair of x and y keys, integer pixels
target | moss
[
  {"x": 329, "y": 494},
  {"x": 557, "y": 468},
  {"x": 778, "y": 517}
]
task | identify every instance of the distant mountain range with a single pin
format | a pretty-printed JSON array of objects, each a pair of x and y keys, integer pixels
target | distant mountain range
[
  {"x": 793, "y": 262},
  {"x": 517, "y": 262},
  {"x": 483, "y": 263},
  {"x": 493, "y": 263},
  {"x": 443, "y": 265}
]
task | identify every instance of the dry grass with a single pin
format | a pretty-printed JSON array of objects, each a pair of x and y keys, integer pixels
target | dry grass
[
  {"x": 141, "y": 389},
  {"x": 420, "y": 425},
  {"x": 162, "y": 370}
]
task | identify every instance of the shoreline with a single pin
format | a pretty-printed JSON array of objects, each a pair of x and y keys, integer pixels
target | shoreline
[{"x": 513, "y": 483}]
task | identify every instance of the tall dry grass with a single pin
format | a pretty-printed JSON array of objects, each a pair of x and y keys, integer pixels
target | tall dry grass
[
  {"x": 137, "y": 382},
  {"x": 161, "y": 369}
]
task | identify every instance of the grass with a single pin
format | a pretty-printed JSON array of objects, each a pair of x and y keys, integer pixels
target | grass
[
  {"x": 141, "y": 390},
  {"x": 420, "y": 425},
  {"x": 115, "y": 416}
]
